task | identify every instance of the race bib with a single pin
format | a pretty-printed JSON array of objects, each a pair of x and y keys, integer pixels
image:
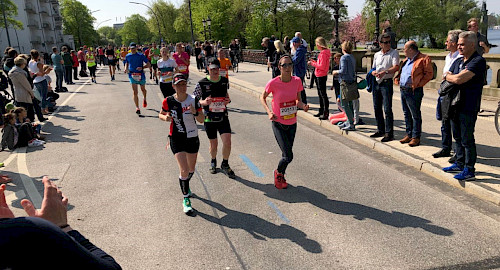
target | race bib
[
  {"x": 91, "y": 60},
  {"x": 137, "y": 77},
  {"x": 288, "y": 110},
  {"x": 156, "y": 57},
  {"x": 110, "y": 57},
  {"x": 165, "y": 78},
  {"x": 223, "y": 72},
  {"x": 217, "y": 104},
  {"x": 182, "y": 68}
]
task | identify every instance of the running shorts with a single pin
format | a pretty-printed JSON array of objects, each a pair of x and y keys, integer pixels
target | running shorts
[
  {"x": 141, "y": 82},
  {"x": 180, "y": 144},
  {"x": 166, "y": 89},
  {"x": 155, "y": 66},
  {"x": 212, "y": 127}
]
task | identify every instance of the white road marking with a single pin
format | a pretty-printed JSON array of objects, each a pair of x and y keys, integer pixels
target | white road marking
[
  {"x": 11, "y": 157},
  {"x": 15, "y": 196},
  {"x": 27, "y": 181}
]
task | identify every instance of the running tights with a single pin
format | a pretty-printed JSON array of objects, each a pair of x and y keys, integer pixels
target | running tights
[
  {"x": 92, "y": 71},
  {"x": 285, "y": 135}
]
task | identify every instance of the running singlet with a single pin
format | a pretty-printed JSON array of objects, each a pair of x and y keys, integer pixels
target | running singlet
[
  {"x": 179, "y": 59},
  {"x": 183, "y": 123},
  {"x": 154, "y": 54},
  {"x": 136, "y": 60},
  {"x": 166, "y": 66},
  {"x": 110, "y": 54},
  {"x": 285, "y": 99},
  {"x": 225, "y": 64},
  {"x": 216, "y": 111},
  {"x": 91, "y": 60}
]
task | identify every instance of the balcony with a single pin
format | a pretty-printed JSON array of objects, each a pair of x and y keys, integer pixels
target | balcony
[
  {"x": 46, "y": 25},
  {"x": 33, "y": 24},
  {"x": 30, "y": 8},
  {"x": 36, "y": 40}
]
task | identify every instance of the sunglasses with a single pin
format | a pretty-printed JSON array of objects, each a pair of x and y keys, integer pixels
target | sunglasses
[
  {"x": 385, "y": 42},
  {"x": 285, "y": 65}
]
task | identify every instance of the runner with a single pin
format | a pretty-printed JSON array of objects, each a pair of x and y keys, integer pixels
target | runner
[
  {"x": 167, "y": 67},
  {"x": 110, "y": 55},
  {"x": 225, "y": 64},
  {"x": 286, "y": 98},
  {"x": 214, "y": 97},
  {"x": 134, "y": 62},
  {"x": 182, "y": 59},
  {"x": 123, "y": 53},
  {"x": 100, "y": 51},
  {"x": 117, "y": 56},
  {"x": 181, "y": 110},
  {"x": 154, "y": 54},
  {"x": 90, "y": 58}
]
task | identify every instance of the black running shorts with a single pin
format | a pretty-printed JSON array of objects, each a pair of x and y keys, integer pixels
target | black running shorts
[
  {"x": 212, "y": 127},
  {"x": 181, "y": 144}
]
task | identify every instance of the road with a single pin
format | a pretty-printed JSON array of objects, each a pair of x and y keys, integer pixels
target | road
[{"x": 347, "y": 207}]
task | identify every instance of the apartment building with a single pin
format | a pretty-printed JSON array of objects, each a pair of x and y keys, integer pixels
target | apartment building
[{"x": 42, "y": 30}]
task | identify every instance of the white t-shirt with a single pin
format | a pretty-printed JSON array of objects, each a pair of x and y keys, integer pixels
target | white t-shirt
[
  {"x": 384, "y": 61},
  {"x": 166, "y": 66},
  {"x": 450, "y": 59},
  {"x": 33, "y": 68}
]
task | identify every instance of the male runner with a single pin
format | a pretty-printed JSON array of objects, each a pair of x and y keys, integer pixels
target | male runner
[
  {"x": 182, "y": 59},
  {"x": 154, "y": 55},
  {"x": 134, "y": 63},
  {"x": 117, "y": 57},
  {"x": 213, "y": 95},
  {"x": 110, "y": 55}
]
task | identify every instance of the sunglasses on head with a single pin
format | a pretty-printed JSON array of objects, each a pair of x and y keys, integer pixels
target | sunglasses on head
[{"x": 285, "y": 65}]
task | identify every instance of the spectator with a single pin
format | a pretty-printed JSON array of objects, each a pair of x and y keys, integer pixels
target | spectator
[
  {"x": 468, "y": 72},
  {"x": 13, "y": 138},
  {"x": 28, "y": 130},
  {"x": 303, "y": 42},
  {"x": 299, "y": 64},
  {"x": 386, "y": 64},
  {"x": 482, "y": 46},
  {"x": 336, "y": 82},
  {"x": 198, "y": 56},
  {"x": 392, "y": 35},
  {"x": 347, "y": 75},
  {"x": 24, "y": 92},
  {"x": 75, "y": 65},
  {"x": 83, "y": 63},
  {"x": 287, "y": 44},
  {"x": 209, "y": 52},
  {"x": 51, "y": 96},
  {"x": 280, "y": 51},
  {"x": 68, "y": 65},
  {"x": 58, "y": 69},
  {"x": 322, "y": 67},
  {"x": 269, "y": 50},
  {"x": 446, "y": 135},
  {"x": 36, "y": 70},
  {"x": 36, "y": 102},
  {"x": 8, "y": 61},
  {"x": 415, "y": 71},
  {"x": 46, "y": 232}
]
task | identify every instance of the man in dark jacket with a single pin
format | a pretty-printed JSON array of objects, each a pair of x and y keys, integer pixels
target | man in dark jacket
[
  {"x": 68, "y": 65},
  {"x": 300, "y": 64}
]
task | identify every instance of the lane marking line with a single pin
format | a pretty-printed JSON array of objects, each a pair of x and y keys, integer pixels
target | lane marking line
[
  {"x": 15, "y": 196},
  {"x": 280, "y": 215},
  {"x": 27, "y": 181},
  {"x": 252, "y": 166},
  {"x": 11, "y": 157}
]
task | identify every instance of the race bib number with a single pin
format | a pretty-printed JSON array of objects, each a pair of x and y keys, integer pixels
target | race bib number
[
  {"x": 165, "y": 78},
  {"x": 137, "y": 77},
  {"x": 91, "y": 60},
  {"x": 217, "y": 104},
  {"x": 156, "y": 57},
  {"x": 288, "y": 110},
  {"x": 223, "y": 72},
  {"x": 182, "y": 68}
]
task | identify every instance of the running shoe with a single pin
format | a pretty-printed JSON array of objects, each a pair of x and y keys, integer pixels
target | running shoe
[
  {"x": 453, "y": 168},
  {"x": 228, "y": 171},
  {"x": 144, "y": 104},
  {"x": 279, "y": 180},
  {"x": 186, "y": 204},
  {"x": 137, "y": 111},
  {"x": 213, "y": 169}
]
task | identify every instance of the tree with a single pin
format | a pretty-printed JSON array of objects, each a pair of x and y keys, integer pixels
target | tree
[
  {"x": 167, "y": 14},
  {"x": 354, "y": 30},
  {"x": 10, "y": 10},
  {"x": 109, "y": 35},
  {"x": 492, "y": 20},
  {"x": 78, "y": 21},
  {"x": 135, "y": 29}
]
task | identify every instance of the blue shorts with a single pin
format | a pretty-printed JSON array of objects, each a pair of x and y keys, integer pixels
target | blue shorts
[{"x": 141, "y": 82}]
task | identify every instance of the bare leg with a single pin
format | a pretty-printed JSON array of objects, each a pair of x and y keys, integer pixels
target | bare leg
[
  {"x": 136, "y": 97},
  {"x": 182, "y": 162},
  {"x": 213, "y": 148},
  {"x": 191, "y": 160},
  {"x": 226, "y": 145}
]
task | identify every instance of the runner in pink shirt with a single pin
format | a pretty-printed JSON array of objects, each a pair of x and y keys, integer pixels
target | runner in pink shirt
[
  {"x": 182, "y": 59},
  {"x": 286, "y": 100}
]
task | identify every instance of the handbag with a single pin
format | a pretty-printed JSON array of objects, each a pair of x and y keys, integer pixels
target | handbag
[
  {"x": 362, "y": 84},
  {"x": 349, "y": 91}
]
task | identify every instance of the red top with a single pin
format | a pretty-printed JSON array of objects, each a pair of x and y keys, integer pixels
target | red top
[{"x": 284, "y": 102}]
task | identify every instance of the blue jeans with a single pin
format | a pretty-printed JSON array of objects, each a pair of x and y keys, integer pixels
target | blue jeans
[
  {"x": 59, "y": 78},
  {"x": 411, "y": 100},
  {"x": 382, "y": 95},
  {"x": 463, "y": 125},
  {"x": 42, "y": 88}
]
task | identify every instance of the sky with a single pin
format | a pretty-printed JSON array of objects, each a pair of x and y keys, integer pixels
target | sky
[{"x": 116, "y": 10}]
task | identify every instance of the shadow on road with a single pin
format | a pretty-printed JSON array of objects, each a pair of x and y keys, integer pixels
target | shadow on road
[
  {"x": 59, "y": 133},
  {"x": 302, "y": 194},
  {"x": 258, "y": 227}
]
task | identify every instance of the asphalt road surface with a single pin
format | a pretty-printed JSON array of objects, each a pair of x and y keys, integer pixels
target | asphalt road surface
[{"x": 347, "y": 207}]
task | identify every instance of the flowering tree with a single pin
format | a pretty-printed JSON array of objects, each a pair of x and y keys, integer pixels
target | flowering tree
[{"x": 353, "y": 30}]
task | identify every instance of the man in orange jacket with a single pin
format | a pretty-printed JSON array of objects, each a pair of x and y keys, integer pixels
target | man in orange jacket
[{"x": 414, "y": 73}]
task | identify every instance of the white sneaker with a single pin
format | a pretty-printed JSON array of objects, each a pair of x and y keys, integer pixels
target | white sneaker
[
  {"x": 33, "y": 143},
  {"x": 40, "y": 141}
]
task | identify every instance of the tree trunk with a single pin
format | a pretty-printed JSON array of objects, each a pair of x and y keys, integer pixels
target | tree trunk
[{"x": 433, "y": 42}]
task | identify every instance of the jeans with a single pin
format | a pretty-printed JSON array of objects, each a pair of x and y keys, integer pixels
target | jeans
[
  {"x": 59, "y": 78},
  {"x": 285, "y": 135},
  {"x": 411, "y": 100},
  {"x": 67, "y": 74},
  {"x": 382, "y": 96},
  {"x": 463, "y": 125},
  {"x": 42, "y": 88},
  {"x": 324, "y": 103}
]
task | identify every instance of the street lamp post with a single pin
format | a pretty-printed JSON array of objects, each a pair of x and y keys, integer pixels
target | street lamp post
[
  {"x": 377, "y": 21},
  {"x": 156, "y": 16},
  {"x": 336, "y": 8},
  {"x": 191, "y": 20},
  {"x": 97, "y": 27},
  {"x": 204, "y": 29},
  {"x": 209, "y": 22}
]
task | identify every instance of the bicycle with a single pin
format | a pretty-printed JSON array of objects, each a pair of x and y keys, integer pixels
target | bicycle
[
  {"x": 497, "y": 119},
  {"x": 236, "y": 61}
]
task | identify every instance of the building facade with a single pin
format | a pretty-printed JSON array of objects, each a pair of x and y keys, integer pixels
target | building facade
[{"x": 42, "y": 27}]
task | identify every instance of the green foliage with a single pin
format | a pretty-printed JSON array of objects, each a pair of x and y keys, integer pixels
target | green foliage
[
  {"x": 260, "y": 24},
  {"x": 109, "y": 35},
  {"x": 10, "y": 10},
  {"x": 135, "y": 29},
  {"x": 78, "y": 21}
]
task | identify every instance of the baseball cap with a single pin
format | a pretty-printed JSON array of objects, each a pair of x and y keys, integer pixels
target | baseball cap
[
  {"x": 132, "y": 45},
  {"x": 213, "y": 63},
  {"x": 179, "y": 77},
  {"x": 296, "y": 40}
]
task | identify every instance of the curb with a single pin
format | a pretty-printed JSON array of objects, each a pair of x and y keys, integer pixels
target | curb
[{"x": 417, "y": 163}]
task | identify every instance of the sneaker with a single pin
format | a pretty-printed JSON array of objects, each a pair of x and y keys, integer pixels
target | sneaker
[
  {"x": 453, "y": 159},
  {"x": 349, "y": 128},
  {"x": 144, "y": 104},
  {"x": 186, "y": 204},
  {"x": 465, "y": 175},
  {"x": 228, "y": 171},
  {"x": 453, "y": 168},
  {"x": 39, "y": 141},
  {"x": 213, "y": 169},
  {"x": 341, "y": 125},
  {"x": 137, "y": 111},
  {"x": 277, "y": 179}
]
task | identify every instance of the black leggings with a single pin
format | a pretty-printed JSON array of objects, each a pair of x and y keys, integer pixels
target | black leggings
[
  {"x": 285, "y": 135},
  {"x": 167, "y": 89},
  {"x": 324, "y": 104},
  {"x": 92, "y": 71}
]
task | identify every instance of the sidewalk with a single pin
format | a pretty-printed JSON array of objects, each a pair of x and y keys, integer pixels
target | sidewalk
[{"x": 252, "y": 79}]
